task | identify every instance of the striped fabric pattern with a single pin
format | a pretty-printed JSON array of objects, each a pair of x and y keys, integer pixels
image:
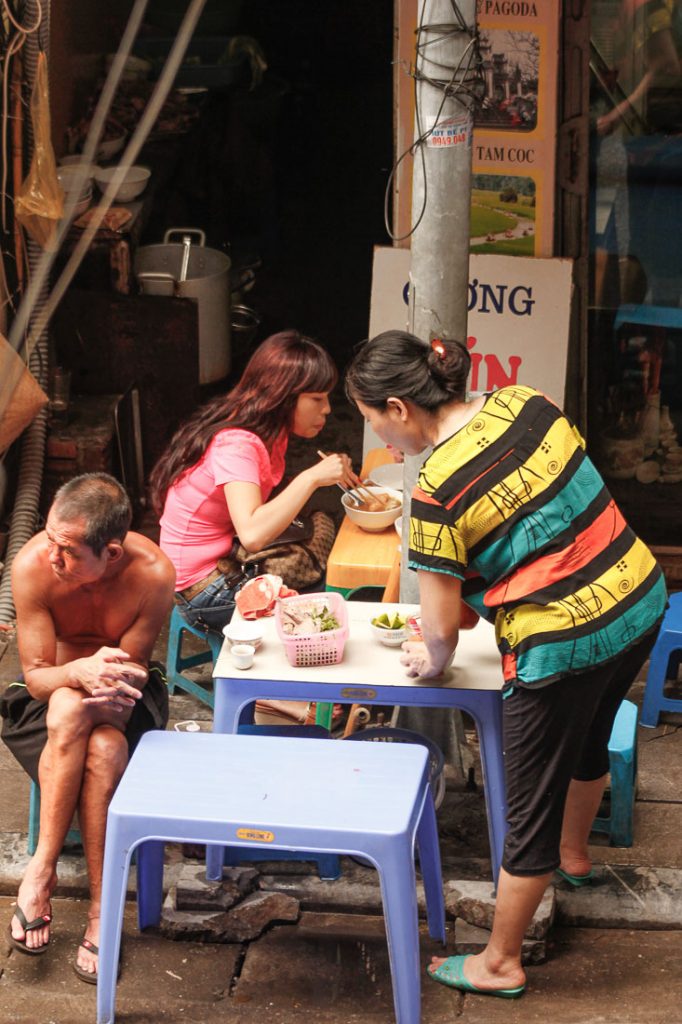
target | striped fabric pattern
[{"x": 512, "y": 505}]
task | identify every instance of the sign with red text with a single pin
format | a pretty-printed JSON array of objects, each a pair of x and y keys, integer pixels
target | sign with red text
[
  {"x": 518, "y": 320},
  {"x": 514, "y": 141}
]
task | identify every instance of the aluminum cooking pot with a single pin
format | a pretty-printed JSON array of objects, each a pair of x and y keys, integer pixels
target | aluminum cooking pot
[{"x": 188, "y": 270}]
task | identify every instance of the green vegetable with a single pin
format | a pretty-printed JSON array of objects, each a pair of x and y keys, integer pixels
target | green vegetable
[
  {"x": 385, "y": 621},
  {"x": 324, "y": 620}
]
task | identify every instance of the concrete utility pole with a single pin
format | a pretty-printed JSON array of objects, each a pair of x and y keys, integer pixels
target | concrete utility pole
[
  {"x": 439, "y": 268},
  {"x": 441, "y": 189},
  {"x": 441, "y": 177}
]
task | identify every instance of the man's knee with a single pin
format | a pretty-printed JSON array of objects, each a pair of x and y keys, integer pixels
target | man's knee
[
  {"x": 107, "y": 753},
  {"x": 67, "y": 717}
]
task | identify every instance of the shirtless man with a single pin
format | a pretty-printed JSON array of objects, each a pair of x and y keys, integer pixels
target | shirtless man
[{"x": 90, "y": 599}]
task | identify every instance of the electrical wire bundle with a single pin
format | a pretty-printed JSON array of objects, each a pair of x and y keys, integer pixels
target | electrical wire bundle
[{"x": 461, "y": 82}]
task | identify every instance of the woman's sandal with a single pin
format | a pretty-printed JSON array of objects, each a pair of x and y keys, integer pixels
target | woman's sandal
[
  {"x": 576, "y": 881},
  {"x": 28, "y": 926},
  {"x": 451, "y": 973},
  {"x": 90, "y": 977}
]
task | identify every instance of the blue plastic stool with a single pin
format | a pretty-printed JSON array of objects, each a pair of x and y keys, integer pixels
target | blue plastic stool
[
  {"x": 669, "y": 317},
  {"x": 663, "y": 665},
  {"x": 73, "y": 836},
  {"x": 370, "y": 800},
  {"x": 176, "y": 663},
  {"x": 623, "y": 770},
  {"x": 328, "y": 864}
]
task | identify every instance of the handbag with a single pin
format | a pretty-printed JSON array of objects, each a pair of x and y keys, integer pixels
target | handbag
[{"x": 299, "y": 555}]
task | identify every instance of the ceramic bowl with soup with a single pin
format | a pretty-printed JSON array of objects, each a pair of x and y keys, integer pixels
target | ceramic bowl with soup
[{"x": 372, "y": 515}]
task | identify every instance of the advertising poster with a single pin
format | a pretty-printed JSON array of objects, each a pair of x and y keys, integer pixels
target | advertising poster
[
  {"x": 513, "y": 153},
  {"x": 517, "y": 323}
]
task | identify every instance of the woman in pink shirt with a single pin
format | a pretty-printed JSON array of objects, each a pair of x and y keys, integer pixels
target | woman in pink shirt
[{"x": 214, "y": 480}]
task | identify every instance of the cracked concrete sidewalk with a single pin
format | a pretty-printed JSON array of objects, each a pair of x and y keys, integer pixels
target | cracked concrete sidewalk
[{"x": 613, "y": 953}]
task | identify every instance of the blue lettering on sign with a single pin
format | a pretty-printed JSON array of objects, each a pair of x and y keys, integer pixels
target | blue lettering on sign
[
  {"x": 492, "y": 298},
  {"x": 486, "y": 298}
]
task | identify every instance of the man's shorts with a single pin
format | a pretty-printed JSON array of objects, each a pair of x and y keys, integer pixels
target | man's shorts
[{"x": 24, "y": 728}]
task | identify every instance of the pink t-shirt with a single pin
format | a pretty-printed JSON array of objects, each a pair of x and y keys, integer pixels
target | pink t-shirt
[{"x": 196, "y": 528}]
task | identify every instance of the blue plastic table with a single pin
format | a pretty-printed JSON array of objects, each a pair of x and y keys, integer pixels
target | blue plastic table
[
  {"x": 371, "y": 673},
  {"x": 251, "y": 791}
]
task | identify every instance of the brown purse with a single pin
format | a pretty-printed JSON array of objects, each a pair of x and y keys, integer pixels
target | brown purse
[{"x": 299, "y": 555}]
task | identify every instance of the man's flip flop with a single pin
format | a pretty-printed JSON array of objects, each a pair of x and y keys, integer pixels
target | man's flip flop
[
  {"x": 577, "y": 881},
  {"x": 28, "y": 926},
  {"x": 451, "y": 973},
  {"x": 90, "y": 977}
]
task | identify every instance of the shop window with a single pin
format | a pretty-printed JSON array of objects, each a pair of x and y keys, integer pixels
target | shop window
[{"x": 635, "y": 323}]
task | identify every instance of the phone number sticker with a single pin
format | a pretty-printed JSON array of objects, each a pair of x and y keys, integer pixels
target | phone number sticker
[{"x": 450, "y": 133}]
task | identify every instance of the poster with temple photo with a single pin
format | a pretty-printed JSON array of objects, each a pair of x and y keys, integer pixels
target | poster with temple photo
[{"x": 513, "y": 150}]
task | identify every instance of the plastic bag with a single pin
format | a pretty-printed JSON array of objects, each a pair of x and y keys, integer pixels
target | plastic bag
[{"x": 39, "y": 203}]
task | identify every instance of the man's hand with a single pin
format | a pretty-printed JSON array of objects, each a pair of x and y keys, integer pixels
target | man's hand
[
  {"x": 108, "y": 677},
  {"x": 416, "y": 658}
]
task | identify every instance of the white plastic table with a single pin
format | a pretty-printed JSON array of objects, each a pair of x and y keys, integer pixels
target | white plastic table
[{"x": 371, "y": 673}]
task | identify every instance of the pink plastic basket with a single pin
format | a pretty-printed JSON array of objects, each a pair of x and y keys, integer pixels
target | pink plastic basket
[{"x": 315, "y": 648}]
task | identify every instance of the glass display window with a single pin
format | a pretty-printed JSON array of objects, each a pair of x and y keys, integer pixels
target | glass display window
[{"x": 635, "y": 320}]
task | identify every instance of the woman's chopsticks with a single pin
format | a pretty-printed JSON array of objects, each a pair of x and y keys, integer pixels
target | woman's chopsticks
[
  {"x": 360, "y": 494},
  {"x": 346, "y": 490}
]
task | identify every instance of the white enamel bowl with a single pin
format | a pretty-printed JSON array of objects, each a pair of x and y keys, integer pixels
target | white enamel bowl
[
  {"x": 76, "y": 178},
  {"x": 389, "y": 475},
  {"x": 390, "y": 637},
  {"x": 134, "y": 182},
  {"x": 243, "y": 632},
  {"x": 373, "y": 522},
  {"x": 110, "y": 147}
]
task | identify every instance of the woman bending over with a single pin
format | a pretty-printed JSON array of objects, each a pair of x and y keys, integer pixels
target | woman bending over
[{"x": 510, "y": 516}]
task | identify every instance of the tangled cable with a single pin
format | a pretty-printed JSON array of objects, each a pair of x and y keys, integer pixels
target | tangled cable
[{"x": 459, "y": 81}]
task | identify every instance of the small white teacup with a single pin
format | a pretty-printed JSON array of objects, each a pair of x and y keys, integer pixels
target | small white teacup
[{"x": 242, "y": 655}]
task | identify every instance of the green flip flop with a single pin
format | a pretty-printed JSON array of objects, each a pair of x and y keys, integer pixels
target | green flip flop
[
  {"x": 28, "y": 926},
  {"x": 577, "y": 881},
  {"x": 451, "y": 973}
]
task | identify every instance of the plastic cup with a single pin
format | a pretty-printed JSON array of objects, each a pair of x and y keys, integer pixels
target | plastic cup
[{"x": 242, "y": 655}]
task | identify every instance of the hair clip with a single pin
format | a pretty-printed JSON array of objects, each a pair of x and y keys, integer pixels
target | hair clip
[{"x": 438, "y": 347}]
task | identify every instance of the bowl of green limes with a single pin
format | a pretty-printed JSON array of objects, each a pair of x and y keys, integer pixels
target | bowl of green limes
[{"x": 390, "y": 628}]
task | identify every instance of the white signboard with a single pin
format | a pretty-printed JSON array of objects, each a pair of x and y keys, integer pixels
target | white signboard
[{"x": 517, "y": 327}]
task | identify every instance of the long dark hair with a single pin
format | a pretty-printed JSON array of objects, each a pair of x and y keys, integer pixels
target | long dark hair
[
  {"x": 263, "y": 401},
  {"x": 398, "y": 364}
]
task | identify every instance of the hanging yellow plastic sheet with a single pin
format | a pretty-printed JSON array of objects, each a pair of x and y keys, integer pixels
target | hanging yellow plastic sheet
[
  {"x": 39, "y": 203},
  {"x": 21, "y": 397}
]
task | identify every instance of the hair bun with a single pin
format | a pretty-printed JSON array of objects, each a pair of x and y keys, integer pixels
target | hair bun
[{"x": 449, "y": 362}]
